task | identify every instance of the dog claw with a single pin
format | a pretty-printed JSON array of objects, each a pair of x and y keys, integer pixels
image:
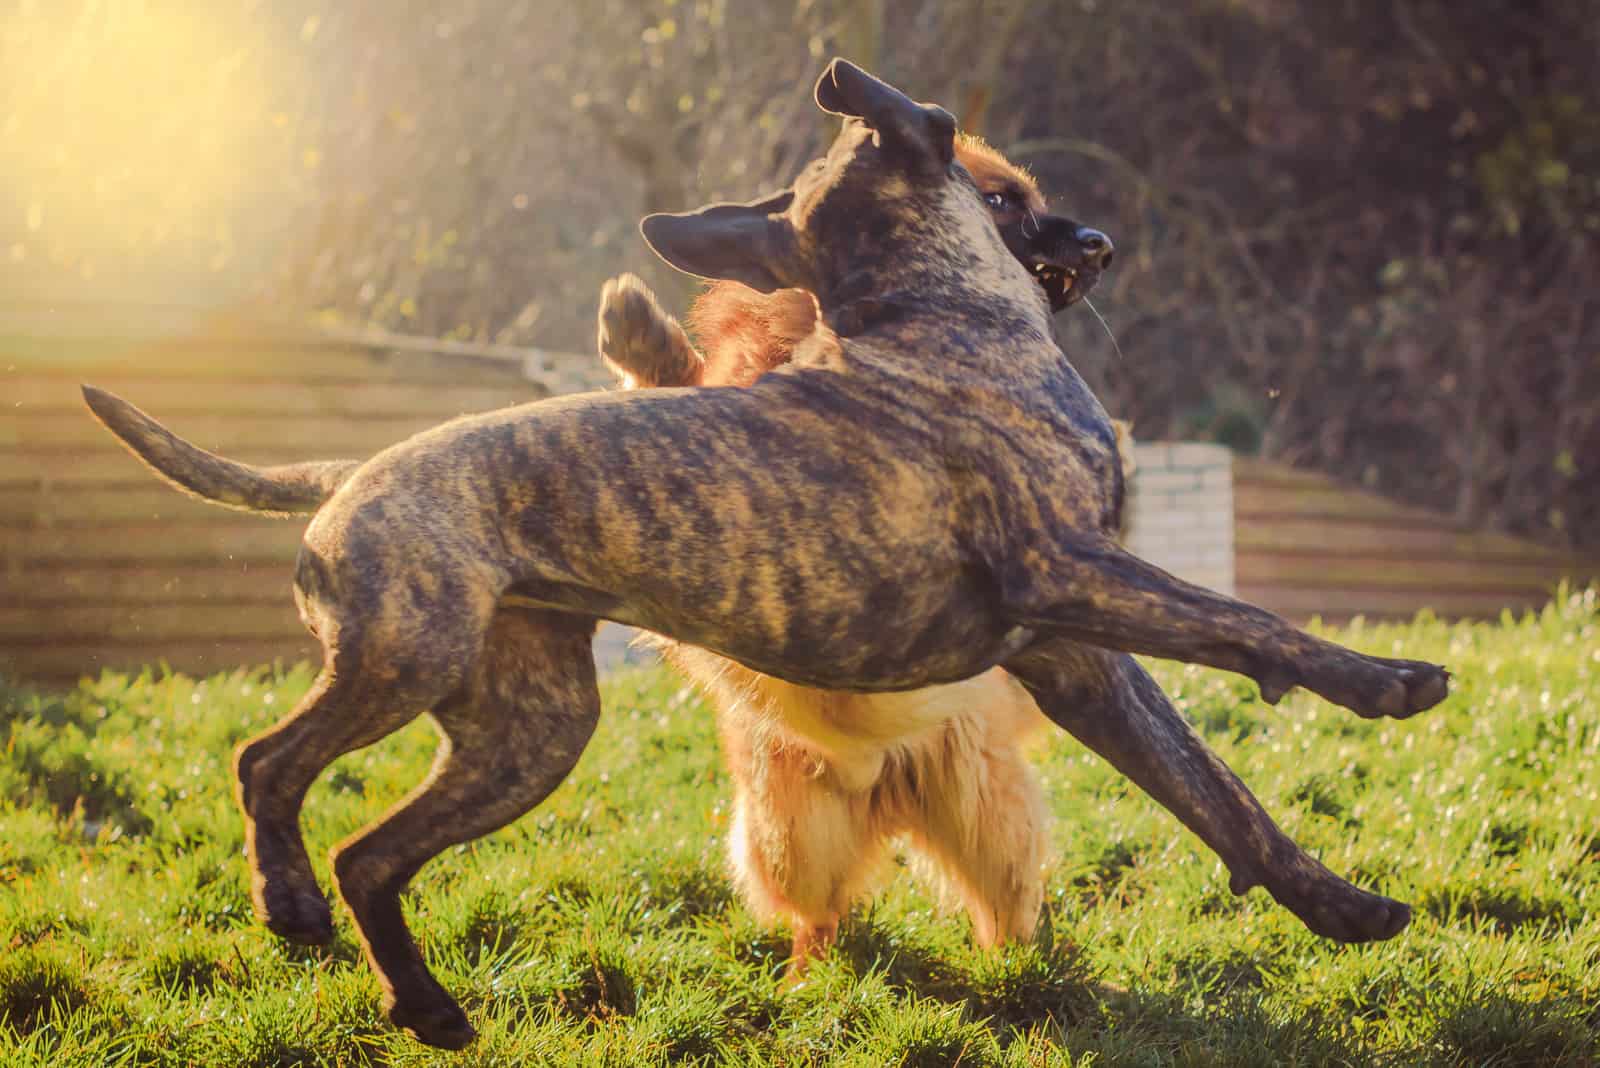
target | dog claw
[
  {"x": 1419, "y": 687},
  {"x": 1432, "y": 690}
]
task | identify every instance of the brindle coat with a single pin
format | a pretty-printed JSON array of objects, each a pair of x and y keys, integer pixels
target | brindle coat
[{"x": 962, "y": 483}]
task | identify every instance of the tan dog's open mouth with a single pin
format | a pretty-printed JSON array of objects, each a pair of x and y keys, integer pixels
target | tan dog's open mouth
[{"x": 1064, "y": 285}]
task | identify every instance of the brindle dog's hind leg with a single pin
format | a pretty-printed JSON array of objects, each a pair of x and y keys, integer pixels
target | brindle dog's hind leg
[
  {"x": 1112, "y": 705},
  {"x": 511, "y": 735},
  {"x": 342, "y": 711},
  {"x": 640, "y": 342},
  {"x": 382, "y": 669},
  {"x": 1092, "y": 590}
]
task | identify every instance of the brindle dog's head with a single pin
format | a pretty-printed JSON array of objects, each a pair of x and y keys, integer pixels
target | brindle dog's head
[{"x": 888, "y": 219}]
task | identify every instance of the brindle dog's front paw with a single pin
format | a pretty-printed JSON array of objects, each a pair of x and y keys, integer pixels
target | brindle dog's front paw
[
  {"x": 436, "y": 1022},
  {"x": 1335, "y": 909},
  {"x": 1370, "y": 686}
]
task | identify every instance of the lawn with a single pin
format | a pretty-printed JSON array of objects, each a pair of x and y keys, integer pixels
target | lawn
[{"x": 601, "y": 930}]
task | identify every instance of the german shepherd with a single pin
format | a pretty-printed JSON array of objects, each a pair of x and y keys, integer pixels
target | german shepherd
[{"x": 823, "y": 780}]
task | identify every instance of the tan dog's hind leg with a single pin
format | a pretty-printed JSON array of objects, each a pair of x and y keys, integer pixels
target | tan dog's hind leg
[
  {"x": 800, "y": 849},
  {"x": 511, "y": 735},
  {"x": 982, "y": 821},
  {"x": 1113, "y": 706},
  {"x": 640, "y": 342}
]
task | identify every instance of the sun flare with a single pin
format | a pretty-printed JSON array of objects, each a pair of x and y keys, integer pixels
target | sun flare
[{"x": 134, "y": 134}]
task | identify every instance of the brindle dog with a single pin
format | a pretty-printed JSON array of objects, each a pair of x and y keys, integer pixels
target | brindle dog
[{"x": 942, "y": 468}]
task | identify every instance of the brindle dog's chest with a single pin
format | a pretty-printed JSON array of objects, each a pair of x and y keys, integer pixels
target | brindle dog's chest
[{"x": 895, "y": 637}]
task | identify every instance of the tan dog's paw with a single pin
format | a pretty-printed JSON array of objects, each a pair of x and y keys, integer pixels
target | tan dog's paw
[{"x": 639, "y": 341}]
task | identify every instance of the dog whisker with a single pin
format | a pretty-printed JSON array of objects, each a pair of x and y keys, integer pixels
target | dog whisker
[{"x": 1104, "y": 324}]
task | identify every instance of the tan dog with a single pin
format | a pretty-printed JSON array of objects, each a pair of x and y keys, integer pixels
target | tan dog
[
  {"x": 823, "y": 780},
  {"x": 927, "y": 491}
]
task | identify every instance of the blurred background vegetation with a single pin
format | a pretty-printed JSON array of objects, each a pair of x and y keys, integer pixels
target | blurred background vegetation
[{"x": 1360, "y": 235}]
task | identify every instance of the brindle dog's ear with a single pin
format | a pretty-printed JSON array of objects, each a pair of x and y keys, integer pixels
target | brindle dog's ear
[
  {"x": 929, "y": 130},
  {"x": 751, "y": 243}
]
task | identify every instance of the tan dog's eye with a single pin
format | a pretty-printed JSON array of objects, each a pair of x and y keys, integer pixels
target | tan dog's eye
[{"x": 995, "y": 200}]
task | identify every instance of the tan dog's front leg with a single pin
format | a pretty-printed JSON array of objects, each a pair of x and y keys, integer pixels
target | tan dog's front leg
[
  {"x": 1094, "y": 591},
  {"x": 643, "y": 345},
  {"x": 1113, "y": 706}
]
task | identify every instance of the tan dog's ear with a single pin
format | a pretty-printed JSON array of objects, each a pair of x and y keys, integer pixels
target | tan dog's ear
[
  {"x": 751, "y": 243},
  {"x": 926, "y": 129}
]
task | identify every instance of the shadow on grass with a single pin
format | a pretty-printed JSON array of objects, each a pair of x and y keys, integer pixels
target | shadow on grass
[
  {"x": 1010, "y": 990},
  {"x": 1055, "y": 994},
  {"x": 1498, "y": 1029},
  {"x": 38, "y": 984}
]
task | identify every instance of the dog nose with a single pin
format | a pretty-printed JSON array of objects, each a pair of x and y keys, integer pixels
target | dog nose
[{"x": 1097, "y": 247}]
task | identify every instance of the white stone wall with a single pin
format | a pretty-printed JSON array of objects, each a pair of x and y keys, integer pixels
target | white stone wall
[{"x": 1180, "y": 510}]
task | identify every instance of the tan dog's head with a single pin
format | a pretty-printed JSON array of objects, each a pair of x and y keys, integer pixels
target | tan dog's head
[
  {"x": 886, "y": 219},
  {"x": 745, "y": 333},
  {"x": 1067, "y": 258}
]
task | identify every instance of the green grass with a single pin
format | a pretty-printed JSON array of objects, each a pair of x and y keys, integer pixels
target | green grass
[{"x": 600, "y": 929}]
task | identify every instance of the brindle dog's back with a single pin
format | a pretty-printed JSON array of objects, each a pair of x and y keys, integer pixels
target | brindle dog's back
[{"x": 832, "y": 533}]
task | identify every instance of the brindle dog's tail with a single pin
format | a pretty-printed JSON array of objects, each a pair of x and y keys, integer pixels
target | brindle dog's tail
[{"x": 290, "y": 489}]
